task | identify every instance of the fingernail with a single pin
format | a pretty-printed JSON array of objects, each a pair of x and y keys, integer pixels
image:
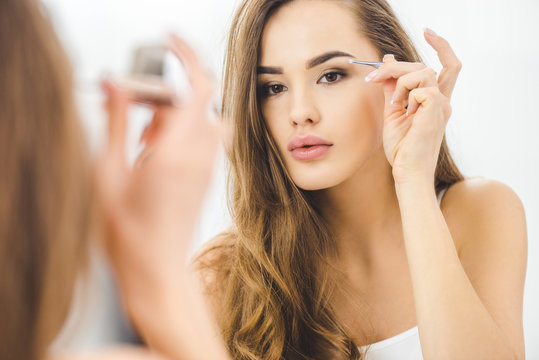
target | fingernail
[
  {"x": 371, "y": 76},
  {"x": 429, "y": 31},
  {"x": 388, "y": 56},
  {"x": 393, "y": 98}
]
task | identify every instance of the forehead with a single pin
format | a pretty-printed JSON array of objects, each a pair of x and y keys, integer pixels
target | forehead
[{"x": 302, "y": 29}]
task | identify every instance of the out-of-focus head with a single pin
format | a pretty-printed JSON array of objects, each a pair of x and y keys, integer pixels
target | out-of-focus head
[{"x": 45, "y": 183}]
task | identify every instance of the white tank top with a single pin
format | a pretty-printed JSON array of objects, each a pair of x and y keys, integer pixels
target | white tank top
[{"x": 403, "y": 346}]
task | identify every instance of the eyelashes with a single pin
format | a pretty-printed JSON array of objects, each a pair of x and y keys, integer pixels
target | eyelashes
[
  {"x": 332, "y": 76},
  {"x": 272, "y": 89},
  {"x": 328, "y": 78}
]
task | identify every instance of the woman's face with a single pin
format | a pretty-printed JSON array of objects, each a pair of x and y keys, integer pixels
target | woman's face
[{"x": 325, "y": 119}]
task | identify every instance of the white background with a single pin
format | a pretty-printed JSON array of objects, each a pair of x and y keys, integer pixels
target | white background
[{"x": 493, "y": 131}]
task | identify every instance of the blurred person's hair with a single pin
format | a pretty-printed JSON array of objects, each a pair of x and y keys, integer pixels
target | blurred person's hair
[
  {"x": 44, "y": 182},
  {"x": 269, "y": 275}
]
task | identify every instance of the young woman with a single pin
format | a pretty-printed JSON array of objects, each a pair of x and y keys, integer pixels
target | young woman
[
  {"x": 47, "y": 186},
  {"x": 340, "y": 239}
]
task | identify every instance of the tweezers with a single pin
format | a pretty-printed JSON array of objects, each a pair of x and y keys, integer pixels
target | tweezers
[{"x": 368, "y": 63}]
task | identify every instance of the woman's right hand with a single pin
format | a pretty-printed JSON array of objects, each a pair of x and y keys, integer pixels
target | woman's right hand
[{"x": 149, "y": 213}]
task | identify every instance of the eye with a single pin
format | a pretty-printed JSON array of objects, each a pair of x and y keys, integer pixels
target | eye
[
  {"x": 331, "y": 77},
  {"x": 272, "y": 89}
]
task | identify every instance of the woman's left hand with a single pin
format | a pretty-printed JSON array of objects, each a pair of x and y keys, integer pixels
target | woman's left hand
[{"x": 416, "y": 111}]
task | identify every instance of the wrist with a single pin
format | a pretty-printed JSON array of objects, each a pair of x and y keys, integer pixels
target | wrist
[
  {"x": 415, "y": 190},
  {"x": 406, "y": 177},
  {"x": 410, "y": 173},
  {"x": 151, "y": 308}
]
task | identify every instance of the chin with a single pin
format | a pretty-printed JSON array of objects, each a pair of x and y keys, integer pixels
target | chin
[{"x": 317, "y": 182}]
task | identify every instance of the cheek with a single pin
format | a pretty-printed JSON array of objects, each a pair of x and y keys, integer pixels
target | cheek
[
  {"x": 356, "y": 126},
  {"x": 356, "y": 113},
  {"x": 276, "y": 120}
]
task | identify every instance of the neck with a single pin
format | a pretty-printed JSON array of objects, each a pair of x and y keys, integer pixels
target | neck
[{"x": 363, "y": 211}]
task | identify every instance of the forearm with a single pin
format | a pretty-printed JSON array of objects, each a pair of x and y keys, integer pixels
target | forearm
[
  {"x": 175, "y": 321},
  {"x": 164, "y": 300},
  {"x": 453, "y": 323}
]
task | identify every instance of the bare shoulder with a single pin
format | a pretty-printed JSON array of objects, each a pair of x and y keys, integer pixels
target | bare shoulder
[
  {"x": 481, "y": 192},
  {"x": 487, "y": 222},
  {"x": 483, "y": 207}
]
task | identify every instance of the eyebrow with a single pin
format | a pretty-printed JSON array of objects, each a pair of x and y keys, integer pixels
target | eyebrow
[{"x": 317, "y": 60}]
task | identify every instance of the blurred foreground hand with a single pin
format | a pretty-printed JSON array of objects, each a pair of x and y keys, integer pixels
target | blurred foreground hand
[{"x": 149, "y": 213}]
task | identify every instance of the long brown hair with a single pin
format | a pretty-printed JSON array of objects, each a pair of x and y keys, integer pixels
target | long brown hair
[
  {"x": 270, "y": 274},
  {"x": 44, "y": 188}
]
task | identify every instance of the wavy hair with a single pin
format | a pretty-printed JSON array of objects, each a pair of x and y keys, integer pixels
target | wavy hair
[{"x": 270, "y": 278}]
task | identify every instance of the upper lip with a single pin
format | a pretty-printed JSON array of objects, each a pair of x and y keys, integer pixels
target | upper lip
[{"x": 307, "y": 140}]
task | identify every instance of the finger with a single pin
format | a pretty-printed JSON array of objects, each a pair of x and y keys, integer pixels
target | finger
[
  {"x": 116, "y": 106},
  {"x": 393, "y": 70},
  {"x": 451, "y": 64},
  {"x": 417, "y": 79},
  {"x": 413, "y": 102},
  {"x": 388, "y": 87},
  {"x": 184, "y": 132},
  {"x": 188, "y": 124},
  {"x": 421, "y": 97},
  {"x": 142, "y": 158},
  {"x": 391, "y": 110},
  {"x": 200, "y": 80},
  {"x": 389, "y": 58},
  {"x": 149, "y": 137},
  {"x": 153, "y": 128},
  {"x": 111, "y": 168}
]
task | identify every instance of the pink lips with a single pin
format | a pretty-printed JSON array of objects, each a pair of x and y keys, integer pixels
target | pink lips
[{"x": 308, "y": 147}]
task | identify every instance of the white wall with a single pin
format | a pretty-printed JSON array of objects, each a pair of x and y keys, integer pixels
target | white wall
[{"x": 493, "y": 131}]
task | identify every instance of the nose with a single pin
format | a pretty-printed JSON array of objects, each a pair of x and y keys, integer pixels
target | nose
[{"x": 303, "y": 110}]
